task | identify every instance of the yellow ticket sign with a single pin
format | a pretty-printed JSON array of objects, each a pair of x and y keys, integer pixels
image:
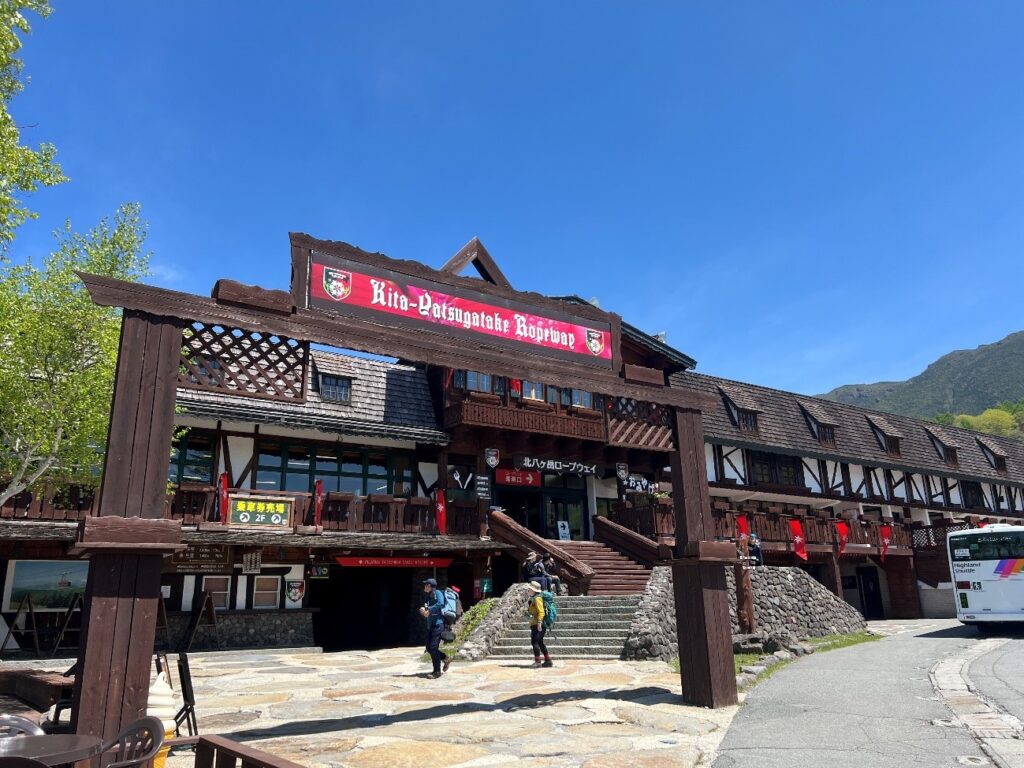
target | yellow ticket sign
[{"x": 260, "y": 511}]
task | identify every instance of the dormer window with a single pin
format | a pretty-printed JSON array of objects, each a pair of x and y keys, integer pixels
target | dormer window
[
  {"x": 821, "y": 424},
  {"x": 743, "y": 409},
  {"x": 994, "y": 454},
  {"x": 944, "y": 445},
  {"x": 335, "y": 389},
  {"x": 746, "y": 420},
  {"x": 886, "y": 435}
]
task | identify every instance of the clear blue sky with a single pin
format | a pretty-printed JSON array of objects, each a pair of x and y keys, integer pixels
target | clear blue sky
[{"x": 803, "y": 194}]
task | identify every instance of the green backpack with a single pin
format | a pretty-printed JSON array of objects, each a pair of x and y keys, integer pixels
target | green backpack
[{"x": 550, "y": 609}]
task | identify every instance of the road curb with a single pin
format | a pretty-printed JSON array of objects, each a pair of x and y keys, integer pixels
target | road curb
[{"x": 1000, "y": 734}]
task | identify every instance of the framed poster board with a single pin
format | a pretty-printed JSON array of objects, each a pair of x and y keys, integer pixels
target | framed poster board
[{"x": 53, "y": 584}]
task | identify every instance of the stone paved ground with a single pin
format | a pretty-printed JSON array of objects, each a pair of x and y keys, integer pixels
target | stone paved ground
[{"x": 369, "y": 709}]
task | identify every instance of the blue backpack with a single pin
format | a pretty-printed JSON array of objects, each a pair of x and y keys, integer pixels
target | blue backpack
[
  {"x": 450, "y": 609},
  {"x": 550, "y": 609}
]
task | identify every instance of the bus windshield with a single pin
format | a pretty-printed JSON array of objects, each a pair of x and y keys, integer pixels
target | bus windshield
[{"x": 1001, "y": 545}]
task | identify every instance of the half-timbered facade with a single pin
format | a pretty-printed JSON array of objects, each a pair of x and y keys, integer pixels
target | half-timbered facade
[{"x": 776, "y": 456}]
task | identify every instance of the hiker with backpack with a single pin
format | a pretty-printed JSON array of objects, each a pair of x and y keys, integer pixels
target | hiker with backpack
[
  {"x": 543, "y": 613},
  {"x": 535, "y": 571},
  {"x": 551, "y": 569},
  {"x": 451, "y": 613},
  {"x": 433, "y": 611}
]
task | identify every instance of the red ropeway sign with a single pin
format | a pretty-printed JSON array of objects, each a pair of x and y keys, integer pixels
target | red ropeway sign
[{"x": 340, "y": 286}]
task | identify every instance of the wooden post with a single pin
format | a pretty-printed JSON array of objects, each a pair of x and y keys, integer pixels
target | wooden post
[
  {"x": 701, "y": 596},
  {"x": 126, "y": 543},
  {"x": 833, "y": 576}
]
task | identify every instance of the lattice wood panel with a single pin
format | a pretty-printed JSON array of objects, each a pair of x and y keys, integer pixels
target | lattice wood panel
[{"x": 238, "y": 362}]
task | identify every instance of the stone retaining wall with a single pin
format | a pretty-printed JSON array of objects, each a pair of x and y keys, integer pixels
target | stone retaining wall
[
  {"x": 509, "y": 608},
  {"x": 788, "y": 602},
  {"x": 246, "y": 629}
]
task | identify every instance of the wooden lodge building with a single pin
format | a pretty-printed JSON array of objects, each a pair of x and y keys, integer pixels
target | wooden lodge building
[{"x": 315, "y": 485}]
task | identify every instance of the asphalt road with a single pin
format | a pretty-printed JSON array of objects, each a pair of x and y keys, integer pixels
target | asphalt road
[
  {"x": 999, "y": 675},
  {"x": 867, "y": 705}
]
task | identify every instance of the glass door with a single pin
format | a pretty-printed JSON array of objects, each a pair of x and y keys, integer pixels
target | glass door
[{"x": 565, "y": 510}]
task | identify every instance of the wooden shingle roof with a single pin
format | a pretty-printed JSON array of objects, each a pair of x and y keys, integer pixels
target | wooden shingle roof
[
  {"x": 388, "y": 400},
  {"x": 782, "y": 428}
]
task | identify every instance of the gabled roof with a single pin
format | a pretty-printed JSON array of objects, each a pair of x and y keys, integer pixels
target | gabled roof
[
  {"x": 817, "y": 412},
  {"x": 740, "y": 398},
  {"x": 883, "y": 425},
  {"x": 389, "y": 400},
  {"x": 782, "y": 428},
  {"x": 944, "y": 436}
]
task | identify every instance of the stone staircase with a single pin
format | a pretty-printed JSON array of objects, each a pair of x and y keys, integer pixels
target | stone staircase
[
  {"x": 587, "y": 627},
  {"x": 614, "y": 573}
]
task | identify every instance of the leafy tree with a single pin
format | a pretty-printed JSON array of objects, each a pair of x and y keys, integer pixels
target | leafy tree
[
  {"x": 58, "y": 354},
  {"x": 22, "y": 169},
  {"x": 946, "y": 419},
  {"x": 994, "y": 421}
]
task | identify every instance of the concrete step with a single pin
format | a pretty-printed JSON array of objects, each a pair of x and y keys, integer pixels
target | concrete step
[
  {"x": 569, "y": 631},
  {"x": 582, "y": 626},
  {"x": 609, "y": 651}
]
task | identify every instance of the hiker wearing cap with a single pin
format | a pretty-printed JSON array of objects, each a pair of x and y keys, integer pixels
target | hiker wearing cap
[
  {"x": 537, "y": 628},
  {"x": 535, "y": 570},
  {"x": 432, "y": 609}
]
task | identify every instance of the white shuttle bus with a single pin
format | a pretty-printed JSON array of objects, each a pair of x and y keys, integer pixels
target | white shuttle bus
[{"x": 987, "y": 565}]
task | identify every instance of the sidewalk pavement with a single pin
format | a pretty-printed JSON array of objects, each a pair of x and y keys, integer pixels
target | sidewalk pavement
[{"x": 867, "y": 705}]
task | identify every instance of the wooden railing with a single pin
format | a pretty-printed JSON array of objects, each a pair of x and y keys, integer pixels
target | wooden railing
[
  {"x": 575, "y": 573},
  {"x": 525, "y": 419},
  {"x": 657, "y": 523},
  {"x": 75, "y": 504},
  {"x": 216, "y": 751},
  {"x": 634, "y": 545}
]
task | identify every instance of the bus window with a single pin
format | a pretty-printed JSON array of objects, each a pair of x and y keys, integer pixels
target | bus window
[{"x": 988, "y": 546}]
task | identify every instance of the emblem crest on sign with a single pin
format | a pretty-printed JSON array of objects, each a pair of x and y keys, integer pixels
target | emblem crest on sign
[
  {"x": 296, "y": 590},
  {"x": 337, "y": 283},
  {"x": 595, "y": 341},
  {"x": 622, "y": 471},
  {"x": 492, "y": 457}
]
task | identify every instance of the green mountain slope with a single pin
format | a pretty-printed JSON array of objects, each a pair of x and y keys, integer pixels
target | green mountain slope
[{"x": 965, "y": 381}]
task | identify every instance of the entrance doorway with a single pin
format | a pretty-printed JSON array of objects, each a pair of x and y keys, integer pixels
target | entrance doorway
[
  {"x": 362, "y": 608},
  {"x": 870, "y": 592},
  {"x": 568, "y": 510}
]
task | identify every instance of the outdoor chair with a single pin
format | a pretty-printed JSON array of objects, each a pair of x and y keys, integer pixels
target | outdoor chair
[
  {"x": 137, "y": 744},
  {"x": 187, "y": 714},
  {"x": 13, "y": 725}
]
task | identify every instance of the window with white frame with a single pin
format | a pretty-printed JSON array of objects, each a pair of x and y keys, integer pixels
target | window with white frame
[
  {"x": 582, "y": 399},
  {"x": 266, "y": 592},
  {"x": 219, "y": 588},
  {"x": 533, "y": 390}
]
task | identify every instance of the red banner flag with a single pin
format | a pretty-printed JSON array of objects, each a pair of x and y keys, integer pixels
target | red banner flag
[
  {"x": 796, "y": 530},
  {"x": 319, "y": 508},
  {"x": 886, "y": 532},
  {"x": 223, "y": 483},
  {"x": 843, "y": 529},
  {"x": 742, "y": 527},
  {"x": 441, "y": 507}
]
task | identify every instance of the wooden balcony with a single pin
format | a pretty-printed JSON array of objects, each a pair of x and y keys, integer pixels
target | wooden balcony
[
  {"x": 536, "y": 419},
  {"x": 657, "y": 522}
]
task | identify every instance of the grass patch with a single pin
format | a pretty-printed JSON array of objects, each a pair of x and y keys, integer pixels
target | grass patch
[
  {"x": 470, "y": 621},
  {"x": 834, "y": 642},
  {"x": 820, "y": 645}
]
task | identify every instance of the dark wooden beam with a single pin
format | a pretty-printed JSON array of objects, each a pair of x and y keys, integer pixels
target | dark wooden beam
[
  {"x": 474, "y": 253},
  {"x": 702, "y": 602},
  {"x": 129, "y": 538},
  {"x": 356, "y": 333}
]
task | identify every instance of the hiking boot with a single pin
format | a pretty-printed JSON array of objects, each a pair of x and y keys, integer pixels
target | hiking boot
[
  {"x": 446, "y": 663},
  {"x": 548, "y": 663},
  {"x": 435, "y": 675},
  {"x": 537, "y": 664}
]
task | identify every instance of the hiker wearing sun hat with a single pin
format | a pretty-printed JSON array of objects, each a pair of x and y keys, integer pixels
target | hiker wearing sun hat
[{"x": 537, "y": 628}]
